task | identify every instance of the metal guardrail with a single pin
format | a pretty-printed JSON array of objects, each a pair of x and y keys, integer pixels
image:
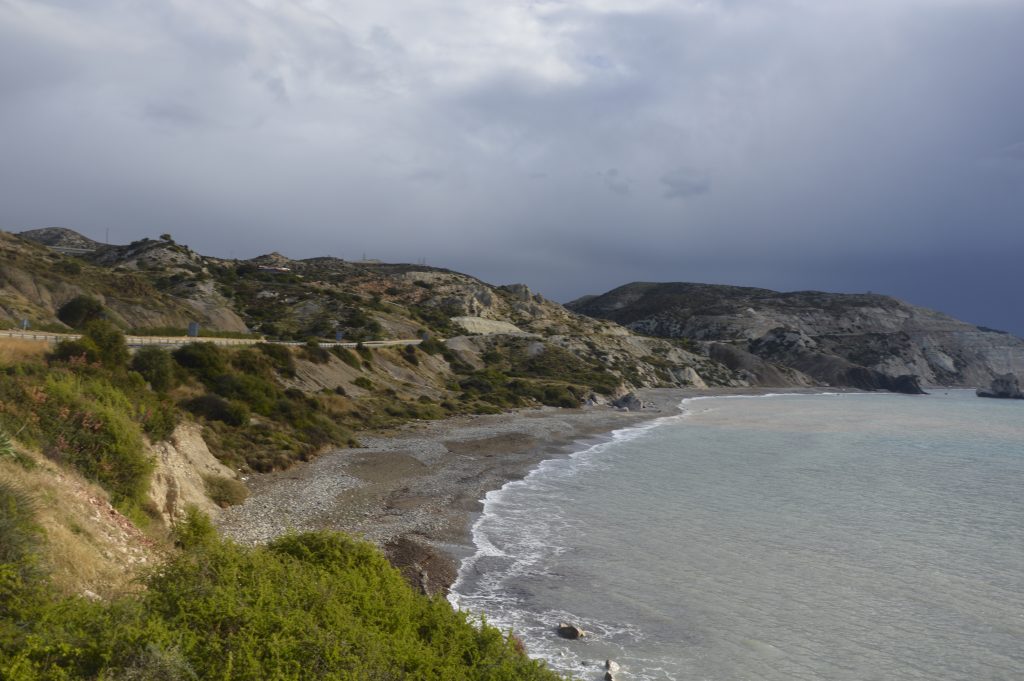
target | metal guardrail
[{"x": 138, "y": 341}]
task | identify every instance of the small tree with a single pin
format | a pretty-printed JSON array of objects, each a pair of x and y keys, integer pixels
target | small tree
[
  {"x": 113, "y": 351},
  {"x": 156, "y": 366},
  {"x": 79, "y": 311}
]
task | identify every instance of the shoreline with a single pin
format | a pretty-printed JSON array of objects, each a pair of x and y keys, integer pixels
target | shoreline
[{"x": 416, "y": 491}]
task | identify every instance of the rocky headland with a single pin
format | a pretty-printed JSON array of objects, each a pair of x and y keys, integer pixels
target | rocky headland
[{"x": 867, "y": 341}]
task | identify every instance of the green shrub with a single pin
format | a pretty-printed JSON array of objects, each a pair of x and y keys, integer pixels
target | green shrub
[
  {"x": 80, "y": 310},
  {"x": 88, "y": 423},
  {"x": 281, "y": 356},
  {"x": 196, "y": 530},
  {"x": 314, "y": 353},
  {"x": 158, "y": 417},
  {"x": 205, "y": 360},
  {"x": 80, "y": 351},
  {"x": 363, "y": 382},
  {"x": 225, "y": 491},
  {"x": 259, "y": 394},
  {"x": 313, "y": 606},
  {"x": 216, "y": 408},
  {"x": 110, "y": 343},
  {"x": 346, "y": 356},
  {"x": 156, "y": 366},
  {"x": 409, "y": 355},
  {"x": 69, "y": 266},
  {"x": 432, "y": 346}
]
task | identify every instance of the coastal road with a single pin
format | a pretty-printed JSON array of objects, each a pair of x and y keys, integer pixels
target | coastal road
[{"x": 177, "y": 341}]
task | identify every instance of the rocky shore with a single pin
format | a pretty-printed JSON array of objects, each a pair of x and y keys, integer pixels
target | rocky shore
[{"x": 415, "y": 491}]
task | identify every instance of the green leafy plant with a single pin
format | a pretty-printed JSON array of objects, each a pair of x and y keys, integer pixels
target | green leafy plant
[
  {"x": 156, "y": 366},
  {"x": 80, "y": 310}
]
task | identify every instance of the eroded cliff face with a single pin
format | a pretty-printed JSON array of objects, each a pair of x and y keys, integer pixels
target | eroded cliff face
[
  {"x": 824, "y": 336},
  {"x": 184, "y": 467}
]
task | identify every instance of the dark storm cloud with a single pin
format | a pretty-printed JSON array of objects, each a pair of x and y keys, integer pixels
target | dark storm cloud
[{"x": 571, "y": 145}]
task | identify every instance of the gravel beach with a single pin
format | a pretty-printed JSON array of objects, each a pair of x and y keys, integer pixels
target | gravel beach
[{"x": 414, "y": 491}]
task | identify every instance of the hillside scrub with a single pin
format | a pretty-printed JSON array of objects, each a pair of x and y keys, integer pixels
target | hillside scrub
[
  {"x": 89, "y": 414},
  {"x": 310, "y": 606}
]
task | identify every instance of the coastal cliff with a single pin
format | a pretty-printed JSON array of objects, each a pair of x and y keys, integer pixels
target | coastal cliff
[{"x": 860, "y": 340}]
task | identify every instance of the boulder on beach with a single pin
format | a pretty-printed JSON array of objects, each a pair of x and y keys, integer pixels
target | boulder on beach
[
  {"x": 1005, "y": 387},
  {"x": 570, "y": 631},
  {"x": 629, "y": 401}
]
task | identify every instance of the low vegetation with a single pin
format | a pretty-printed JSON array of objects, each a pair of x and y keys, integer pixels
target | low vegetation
[
  {"x": 310, "y": 606},
  {"x": 86, "y": 409}
]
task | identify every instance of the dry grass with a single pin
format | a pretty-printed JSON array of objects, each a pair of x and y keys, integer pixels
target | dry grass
[
  {"x": 89, "y": 546},
  {"x": 14, "y": 350}
]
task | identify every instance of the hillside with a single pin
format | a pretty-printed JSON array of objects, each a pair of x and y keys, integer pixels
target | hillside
[
  {"x": 159, "y": 286},
  {"x": 861, "y": 340}
]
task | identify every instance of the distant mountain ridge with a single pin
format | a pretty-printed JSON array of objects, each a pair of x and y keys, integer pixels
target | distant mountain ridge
[{"x": 835, "y": 338}]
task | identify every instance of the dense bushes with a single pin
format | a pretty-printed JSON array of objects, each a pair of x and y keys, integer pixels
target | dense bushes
[
  {"x": 497, "y": 388},
  {"x": 251, "y": 420},
  {"x": 315, "y": 353},
  {"x": 89, "y": 425},
  {"x": 87, "y": 422},
  {"x": 216, "y": 408},
  {"x": 281, "y": 357},
  {"x": 156, "y": 366},
  {"x": 80, "y": 310},
  {"x": 88, "y": 410},
  {"x": 205, "y": 360},
  {"x": 312, "y": 606}
]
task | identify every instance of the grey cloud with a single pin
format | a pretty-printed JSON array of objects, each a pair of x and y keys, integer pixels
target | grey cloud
[
  {"x": 615, "y": 181},
  {"x": 866, "y": 133},
  {"x": 683, "y": 183},
  {"x": 174, "y": 114}
]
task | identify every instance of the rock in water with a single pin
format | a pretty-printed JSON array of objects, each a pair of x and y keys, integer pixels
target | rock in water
[
  {"x": 611, "y": 665},
  {"x": 570, "y": 631},
  {"x": 1006, "y": 386}
]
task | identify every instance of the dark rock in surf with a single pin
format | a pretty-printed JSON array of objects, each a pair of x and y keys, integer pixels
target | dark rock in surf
[{"x": 570, "y": 631}]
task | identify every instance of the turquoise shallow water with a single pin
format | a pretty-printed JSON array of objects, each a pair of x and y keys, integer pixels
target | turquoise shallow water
[{"x": 822, "y": 537}]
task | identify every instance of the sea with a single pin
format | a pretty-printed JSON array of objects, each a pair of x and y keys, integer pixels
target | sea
[{"x": 782, "y": 537}]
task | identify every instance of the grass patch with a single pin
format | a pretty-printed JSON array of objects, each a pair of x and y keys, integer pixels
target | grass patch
[
  {"x": 16, "y": 350},
  {"x": 224, "y": 491}
]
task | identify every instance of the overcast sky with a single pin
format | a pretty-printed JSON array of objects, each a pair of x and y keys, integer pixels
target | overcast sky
[{"x": 575, "y": 145}]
